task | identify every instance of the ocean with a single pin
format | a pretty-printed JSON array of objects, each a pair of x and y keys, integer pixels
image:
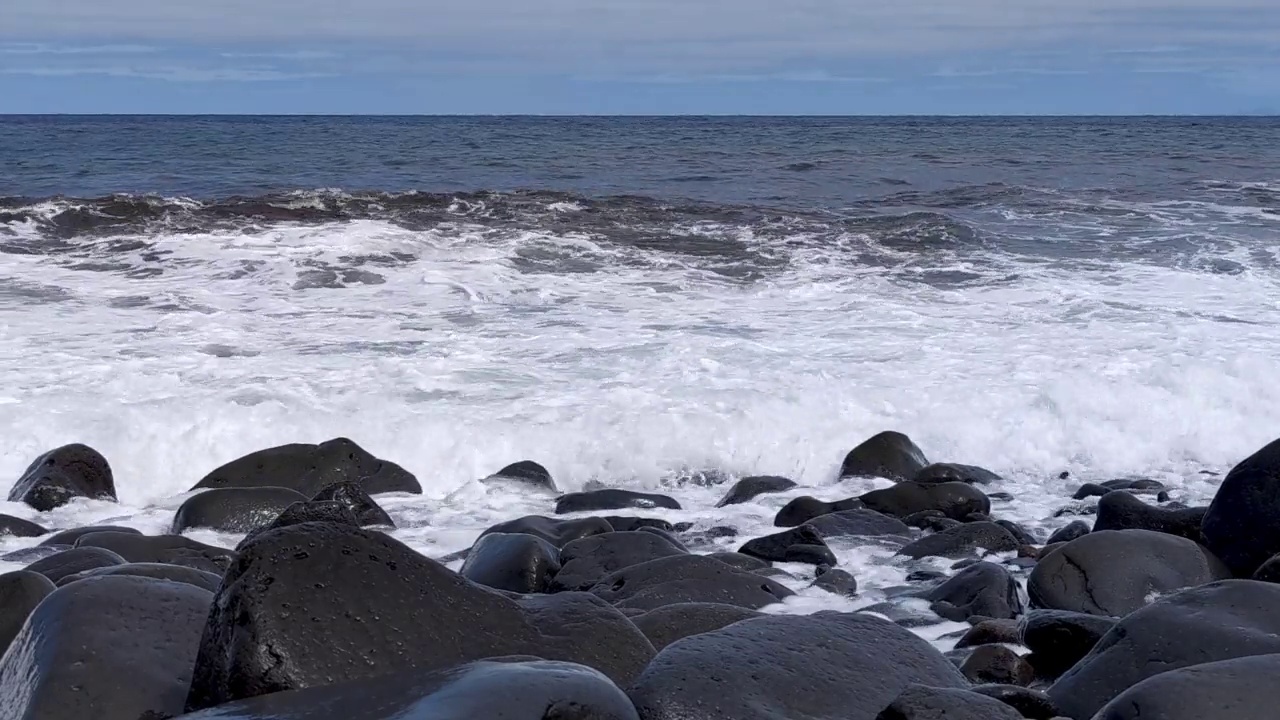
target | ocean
[{"x": 640, "y": 302}]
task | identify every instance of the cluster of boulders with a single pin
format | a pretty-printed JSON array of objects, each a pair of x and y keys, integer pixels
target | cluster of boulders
[{"x": 1153, "y": 611}]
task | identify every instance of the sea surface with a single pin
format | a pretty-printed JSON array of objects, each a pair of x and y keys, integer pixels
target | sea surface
[{"x": 640, "y": 302}]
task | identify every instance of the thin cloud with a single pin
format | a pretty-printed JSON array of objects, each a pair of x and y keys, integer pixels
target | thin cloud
[
  {"x": 47, "y": 49},
  {"x": 298, "y": 55},
  {"x": 169, "y": 73}
]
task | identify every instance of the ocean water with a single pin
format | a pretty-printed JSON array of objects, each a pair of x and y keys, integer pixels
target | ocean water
[{"x": 634, "y": 301}]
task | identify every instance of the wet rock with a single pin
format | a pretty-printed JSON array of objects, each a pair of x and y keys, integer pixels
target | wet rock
[
  {"x": 777, "y": 547},
  {"x": 1218, "y": 621},
  {"x": 1238, "y": 689},
  {"x": 685, "y": 579},
  {"x": 587, "y": 561},
  {"x": 525, "y": 472},
  {"x": 71, "y": 536},
  {"x": 962, "y": 540},
  {"x": 514, "y": 562},
  {"x": 888, "y": 455},
  {"x": 70, "y": 471},
  {"x": 1067, "y": 533},
  {"x": 1000, "y": 497},
  {"x": 1016, "y": 530},
  {"x": 805, "y": 508},
  {"x": 612, "y": 499},
  {"x": 309, "y": 468},
  {"x": 918, "y": 702},
  {"x": 775, "y": 573},
  {"x": 32, "y": 554},
  {"x": 671, "y": 537},
  {"x": 1269, "y": 571},
  {"x": 1058, "y": 639},
  {"x": 749, "y": 488},
  {"x": 990, "y": 632},
  {"x": 1077, "y": 510},
  {"x": 930, "y": 520},
  {"x": 997, "y": 664},
  {"x": 20, "y": 593},
  {"x": 983, "y": 588},
  {"x": 1242, "y": 525},
  {"x": 740, "y": 561},
  {"x": 555, "y": 531},
  {"x": 70, "y": 562},
  {"x": 669, "y": 623},
  {"x": 510, "y": 688},
  {"x": 107, "y": 648},
  {"x": 17, "y": 527},
  {"x": 368, "y": 513},
  {"x": 1031, "y": 704},
  {"x": 1140, "y": 486},
  {"x": 837, "y": 582},
  {"x": 235, "y": 509},
  {"x": 857, "y": 523},
  {"x": 851, "y": 667},
  {"x": 171, "y": 549},
  {"x": 953, "y": 472},
  {"x": 953, "y": 500},
  {"x": 810, "y": 555},
  {"x": 156, "y": 571},
  {"x": 1114, "y": 572},
  {"x": 1119, "y": 510},
  {"x": 304, "y": 592},
  {"x": 629, "y": 524}
]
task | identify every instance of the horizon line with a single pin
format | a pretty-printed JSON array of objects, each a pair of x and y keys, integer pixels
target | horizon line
[{"x": 1263, "y": 114}]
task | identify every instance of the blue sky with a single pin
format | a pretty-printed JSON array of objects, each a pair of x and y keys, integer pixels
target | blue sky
[{"x": 641, "y": 56}]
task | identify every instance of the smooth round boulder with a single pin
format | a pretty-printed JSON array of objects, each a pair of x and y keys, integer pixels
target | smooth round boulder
[
  {"x": 157, "y": 571},
  {"x": 997, "y": 664},
  {"x": 70, "y": 471},
  {"x": 20, "y": 592},
  {"x": 991, "y": 632},
  {"x": 527, "y": 473},
  {"x": 805, "y": 508},
  {"x": 983, "y": 589},
  {"x": 749, "y": 488},
  {"x": 625, "y": 523},
  {"x": 368, "y": 513},
  {"x": 918, "y": 702},
  {"x": 1017, "y": 531},
  {"x": 669, "y": 623},
  {"x": 1031, "y": 704},
  {"x": 612, "y": 499},
  {"x": 516, "y": 688},
  {"x": 29, "y": 555},
  {"x": 234, "y": 509},
  {"x": 1237, "y": 689},
  {"x": 1218, "y": 621},
  {"x": 71, "y": 536},
  {"x": 962, "y": 541},
  {"x": 836, "y": 582},
  {"x": 825, "y": 666},
  {"x": 309, "y": 468},
  {"x": 857, "y": 523},
  {"x": 740, "y": 561},
  {"x": 952, "y": 499},
  {"x": 107, "y": 648},
  {"x": 69, "y": 562},
  {"x": 514, "y": 562},
  {"x": 1120, "y": 510},
  {"x": 888, "y": 454},
  {"x": 954, "y": 472},
  {"x": 17, "y": 527},
  {"x": 585, "y": 562},
  {"x": 685, "y": 579},
  {"x": 778, "y": 547},
  {"x": 1242, "y": 524},
  {"x": 171, "y": 549},
  {"x": 1067, "y": 533},
  {"x": 1058, "y": 639},
  {"x": 556, "y": 531},
  {"x": 1114, "y": 572},
  {"x": 1142, "y": 486},
  {"x": 338, "y": 603}
]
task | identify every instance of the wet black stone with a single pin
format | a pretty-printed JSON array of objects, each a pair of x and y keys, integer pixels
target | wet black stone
[
  {"x": 810, "y": 555},
  {"x": 234, "y": 510},
  {"x": 171, "y": 549},
  {"x": 749, "y": 488},
  {"x": 837, "y": 582},
  {"x": 71, "y": 536},
  {"x": 1237, "y": 689},
  {"x": 997, "y": 664},
  {"x": 775, "y": 547},
  {"x": 612, "y": 499},
  {"x": 627, "y": 524},
  {"x": 64, "y": 473},
  {"x": 805, "y": 508},
  {"x": 989, "y": 632},
  {"x": 1031, "y": 704},
  {"x": 919, "y": 702},
  {"x": 587, "y": 561},
  {"x": 740, "y": 561},
  {"x": 857, "y": 523},
  {"x": 687, "y": 578},
  {"x": 525, "y": 472},
  {"x": 514, "y": 562},
  {"x": 669, "y": 623},
  {"x": 953, "y": 472},
  {"x": 1242, "y": 525},
  {"x": 309, "y": 468},
  {"x": 20, "y": 592},
  {"x": 1016, "y": 530},
  {"x": 888, "y": 455},
  {"x": 963, "y": 540},
  {"x": 1119, "y": 510},
  {"x": 157, "y": 571},
  {"x": 1059, "y": 638},
  {"x": 70, "y": 562},
  {"x": 367, "y": 511},
  {"x": 983, "y": 588},
  {"x": 17, "y": 527},
  {"x": 1143, "y": 486},
  {"x": 953, "y": 500},
  {"x": 555, "y": 531},
  {"x": 1069, "y": 532},
  {"x": 32, "y": 554}
]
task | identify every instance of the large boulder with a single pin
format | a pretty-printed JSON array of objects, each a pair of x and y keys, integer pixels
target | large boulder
[
  {"x": 1067, "y": 533},
  {"x": 61, "y": 474},
  {"x": 1114, "y": 572},
  {"x": 1139, "y": 486},
  {"x": 612, "y": 499},
  {"x": 685, "y": 579},
  {"x": 171, "y": 549},
  {"x": 628, "y": 523},
  {"x": 749, "y": 488},
  {"x": 826, "y": 666},
  {"x": 107, "y": 648},
  {"x": 20, "y": 592},
  {"x": 513, "y": 688},
  {"x": 886, "y": 455},
  {"x": 805, "y": 508},
  {"x": 963, "y": 540},
  {"x": 997, "y": 664},
  {"x": 337, "y": 603},
  {"x": 1242, "y": 525},
  {"x": 310, "y": 468},
  {"x": 158, "y": 571},
  {"x": 514, "y": 562},
  {"x": 355, "y": 498},
  {"x": 1237, "y": 689},
  {"x": 68, "y": 538},
  {"x": 918, "y": 702},
  {"x": 585, "y": 562},
  {"x": 858, "y": 523},
  {"x": 234, "y": 509},
  {"x": 69, "y": 562},
  {"x": 17, "y": 527},
  {"x": 1058, "y": 639},
  {"x": 782, "y": 547},
  {"x": 954, "y": 500},
  {"x": 1121, "y": 510},
  {"x": 525, "y": 472},
  {"x": 669, "y": 623},
  {"x": 1218, "y": 621},
  {"x": 953, "y": 472},
  {"x": 983, "y": 589},
  {"x": 555, "y": 531}
]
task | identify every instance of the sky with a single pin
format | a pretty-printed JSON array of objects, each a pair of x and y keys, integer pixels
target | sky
[{"x": 768, "y": 57}]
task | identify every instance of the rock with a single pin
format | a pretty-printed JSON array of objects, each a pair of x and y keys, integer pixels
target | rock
[
  {"x": 740, "y": 561},
  {"x": 962, "y": 540},
  {"x": 685, "y": 579},
  {"x": 1238, "y": 689},
  {"x": 305, "y": 512},
  {"x": 1242, "y": 525},
  {"x": 1142, "y": 486},
  {"x": 983, "y": 588},
  {"x": 997, "y": 664},
  {"x": 1029, "y": 703},
  {"x": 809, "y": 555},
  {"x": 525, "y": 472},
  {"x": 557, "y": 532},
  {"x": 1114, "y": 572},
  {"x": 1058, "y": 639},
  {"x": 17, "y": 527},
  {"x": 70, "y": 537},
  {"x": 826, "y": 666},
  {"x": 671, "y": 537},
  {"x": 750, "y": 487},
  {"x": 930, "y": 520},
  {"x": 918, "y": 702},
  {"x": 1000, "y": 497},
  {"x": 157, "y": 571},
  {"x": 669, "y": 623},
  {"x": 309, "y": 468},
  {"x": 888, "y": 455},
  {"x": 805, "y": 508},
  {"x": 774, "y": 573},
  {"x": 857, "y": 523},
  {"x": 952, "y": 472},
  {"x": 587, "y": 561},
  {"x": 509, "y": 688},
  {"x": 368, "y": 513},
  {"x": 304, "y": 592},
  {"x": 953, "y": 500},
  {"x": 837, "y": 582},
  {"x": 32, "y": 554},
  {"x": 1269, "y": 571},
  {"x": 1017, "y": 531},
  {"x": 1218, "y": 621},
  {"x": 171, "y": 549},
  {"x": 1067, "y": 533},
  {"x": 107, "y": 648},
  {"x": 20, "y": 592},
  {"x": 612, "y": 499},
  {"x": 990, "y": 632},
  {"x": 234, "y": 509},
  {"x": 629, "y": 524},
  {"x": 514, "y": 562},
  {"x": 61, "y": 474},
  {"x": 775, "y": 548},
  {"x": 1118, "y": 510},
  {"x": 70, "y": 562}
]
